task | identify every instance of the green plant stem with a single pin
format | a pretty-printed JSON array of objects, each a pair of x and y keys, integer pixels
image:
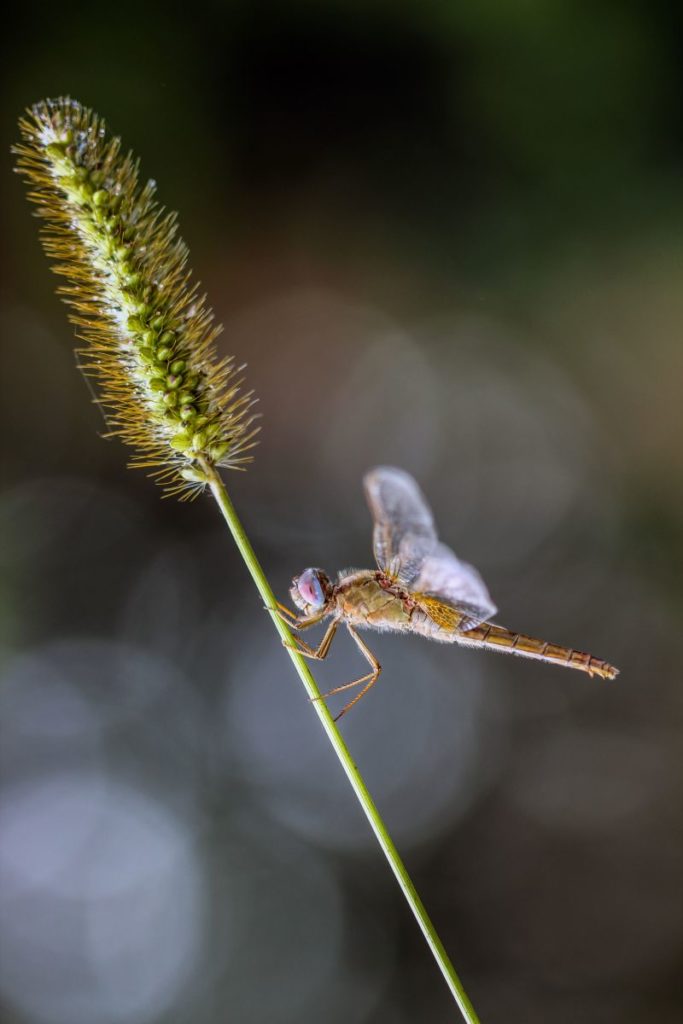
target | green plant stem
[{"x": 220, "y": 493}]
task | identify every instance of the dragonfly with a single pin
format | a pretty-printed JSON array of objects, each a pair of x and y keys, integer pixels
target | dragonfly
[{"x": 419, "y": 586}]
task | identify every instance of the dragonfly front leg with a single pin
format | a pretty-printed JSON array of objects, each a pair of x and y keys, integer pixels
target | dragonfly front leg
[
  {"x": 321, "y": 651},
  {"x": 292, "y": 620},
  {"x": 283, "y": 611}
]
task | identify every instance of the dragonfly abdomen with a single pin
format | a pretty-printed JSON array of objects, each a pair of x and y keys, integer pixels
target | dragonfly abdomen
[{"x": 497, "y": 638}]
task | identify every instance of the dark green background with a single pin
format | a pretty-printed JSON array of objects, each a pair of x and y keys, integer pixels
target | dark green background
[{"x": 444, "y": 236}]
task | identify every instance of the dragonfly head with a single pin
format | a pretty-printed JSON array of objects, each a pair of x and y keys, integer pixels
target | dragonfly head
[{"x": 311, "y": 591}]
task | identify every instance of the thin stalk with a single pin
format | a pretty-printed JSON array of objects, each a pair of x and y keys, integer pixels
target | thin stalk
[
  {"x": 220, "y": 493},
  {"x": 150, "y": 345}
]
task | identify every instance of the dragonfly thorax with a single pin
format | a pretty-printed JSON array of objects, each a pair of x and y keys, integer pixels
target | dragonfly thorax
[{"x": 311, "y": 591}]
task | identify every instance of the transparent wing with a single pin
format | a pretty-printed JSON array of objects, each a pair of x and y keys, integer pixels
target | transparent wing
[
  {"x": 404, "y": 533},
  {"x": 443, "y": 575}
]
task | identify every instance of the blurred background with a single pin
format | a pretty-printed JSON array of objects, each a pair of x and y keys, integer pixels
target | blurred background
[{"x": 442, "y": 236}]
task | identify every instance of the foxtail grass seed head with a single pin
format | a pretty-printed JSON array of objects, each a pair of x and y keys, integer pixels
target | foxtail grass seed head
[{"x": 149, "y": 337}]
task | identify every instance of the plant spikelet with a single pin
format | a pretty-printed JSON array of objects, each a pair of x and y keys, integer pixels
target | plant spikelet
[{"x": 149, "y": 335}]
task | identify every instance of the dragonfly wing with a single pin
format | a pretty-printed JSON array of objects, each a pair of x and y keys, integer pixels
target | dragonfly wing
[
  {"x": 404, "y": 534},
  {"x": 456, "y": 583}
]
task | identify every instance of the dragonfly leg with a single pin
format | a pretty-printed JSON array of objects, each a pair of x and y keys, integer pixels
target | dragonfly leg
[
  {"x": 319, "y": 652},
  {"x": 283, "y": 611},
  {"x": 293, "y": 621},
  {"x": 369, "y": 679}
]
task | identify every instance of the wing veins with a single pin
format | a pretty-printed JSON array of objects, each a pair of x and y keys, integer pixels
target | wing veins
[{"x": 407, "y": 550}]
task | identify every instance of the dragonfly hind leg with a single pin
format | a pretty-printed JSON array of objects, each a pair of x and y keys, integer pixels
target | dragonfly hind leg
[{"x": 369, "y": 679}]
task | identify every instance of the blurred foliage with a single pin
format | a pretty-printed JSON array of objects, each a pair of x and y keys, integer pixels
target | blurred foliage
[{"x": 446, "y": 236}]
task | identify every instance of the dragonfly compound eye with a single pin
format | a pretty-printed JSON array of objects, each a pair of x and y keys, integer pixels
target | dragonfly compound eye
[{"x": 310, "y": 588}]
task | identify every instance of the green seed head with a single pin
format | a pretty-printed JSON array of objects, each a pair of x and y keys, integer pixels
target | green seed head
[{"x": 115, "y": 246}]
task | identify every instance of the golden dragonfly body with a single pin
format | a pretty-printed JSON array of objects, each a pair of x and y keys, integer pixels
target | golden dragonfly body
[{"x": 419, "y": 586}]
